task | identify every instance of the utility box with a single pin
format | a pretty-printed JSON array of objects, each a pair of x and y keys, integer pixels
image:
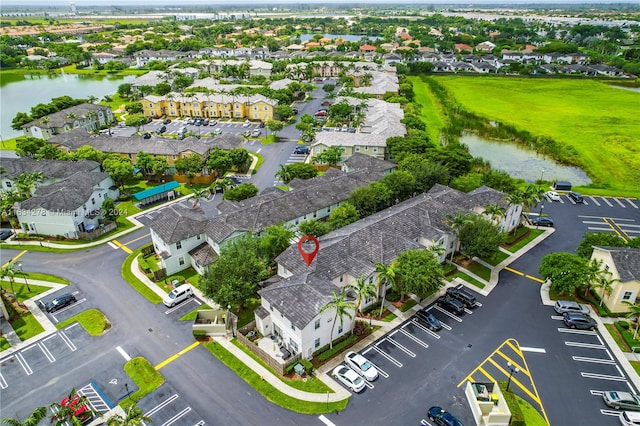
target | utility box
[
  {"x": 561, "y": 185},
  {"x": 299, "y": 369}
]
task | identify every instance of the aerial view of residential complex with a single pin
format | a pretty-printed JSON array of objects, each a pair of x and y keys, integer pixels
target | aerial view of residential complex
[{"x": 319, "y": 213}]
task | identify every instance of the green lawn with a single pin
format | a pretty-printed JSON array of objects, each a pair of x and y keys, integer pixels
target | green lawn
[
  {"x": 467, "y": 278},
  {"x": 478, "y": 269},
  {"x": 430, "y": 113},
  {"x": 45, "y": 277},
  {"x": 499, "y": 257},
  {"x": 533, "y": 234},
  {"x": 4, "y": 344},
  {"x": 269, "y": 392},
  {"x": 145, "y": 377},
  {"x": 22, "y": 293},
  {"x": 599, "y": 121},
  {"x": 138, "y": 285},
  {"x": 617, "y": 338},
  {"x": 27, "y": 326},
  {"x": 191, "y": 316},
  {"x": 92, "y": 320}
]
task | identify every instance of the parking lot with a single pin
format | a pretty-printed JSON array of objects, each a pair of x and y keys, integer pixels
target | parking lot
[{"x": 165, "y": 407}]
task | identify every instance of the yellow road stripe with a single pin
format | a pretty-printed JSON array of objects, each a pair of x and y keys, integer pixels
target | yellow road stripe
[
  {"x": 138, "y": 239},
  {"x": 18, "y": 256},
  {"x": 614, "y": 229},
  {"x": 531, "y": 277},
  {"x": 514, "y": 271},
  {"x": 615, "y": 224},
  {"x": 515, "y": 364},
  {"x": 515, "y": 381},
  {"x": 515, "y": 348},
  {"x": 469, "y": 378},
  {"x": 122, "y": 246},
  {"x": 487, "y": 375},
  {"x": 176, "y": 356}
]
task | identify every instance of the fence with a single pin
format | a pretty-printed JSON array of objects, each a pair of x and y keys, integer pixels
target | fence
[
  {"x": 98, "y": 232},
  {"x": 265, "y": 357}
]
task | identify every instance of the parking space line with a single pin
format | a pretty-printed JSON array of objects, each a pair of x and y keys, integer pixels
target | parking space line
[
  {"x": 46, "y": 352},
  {"x": 444, "y": 311},
  {"x": 423, "y": 328},
  {"x": 487, "y": 375},
  {"x": 176, "y": 417},
  {"x": 402, "y": 348},
  {"x": 423, "y": 422},
  {"x": 468, "y": 311},
  {"x": 478, "y": 304},
  {"x": 610, "y": 413},
  {"x": 596, "y": 392},
  {"x": 24, "y": 364},
  {"x": 594, "y": 200},
  {"x": 620, "y": 202},
  {"x": 414, "y": 338},
  {"x": 189, "y": 300},
  {"x": 3, "y": 382},
  {"x": 367, "y": 383},
  {"x": 161, "y": 405},
  {"x": 557, "y": 317},
  {"x": 594, "y": 360},
  {"x": 603, "y": 377},
  {"x": 632, "y": 203},
  {"x": 574, "y": 331},
  {"x": 608, "y": 354},
  {"x": 326, "y": 421},
  {"x": 380, "y": 371},
  {"x": 68, "y": 341},
  {"x": 584, "y": 345},
  {"x": 123, "y": 353},
  {"x": 386, "y": 355},
  {"x": 607, "y": 201},
  {"x": 536, "y": 350},
  {"x": 514, "y": 271}
]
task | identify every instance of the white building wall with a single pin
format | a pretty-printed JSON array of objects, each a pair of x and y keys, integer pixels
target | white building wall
[{"x": 43, "y": 222}]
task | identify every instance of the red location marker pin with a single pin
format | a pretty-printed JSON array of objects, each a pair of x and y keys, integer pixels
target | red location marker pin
[{"x": 308, "y": 256}]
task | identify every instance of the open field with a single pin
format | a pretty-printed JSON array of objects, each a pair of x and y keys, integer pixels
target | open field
[{"x": 599, "y": 121}]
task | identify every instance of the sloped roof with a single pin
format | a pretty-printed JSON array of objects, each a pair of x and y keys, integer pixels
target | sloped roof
[
  {"x": 299, "y": 298},
  {"x": 68, "y": 194},
  {"x": 57, "y": 169},
  {"x": 60, "y": 118},
  {"x": 627, "y": 262},
  {"x": 359, "y": 161},
  {"x": 175, "y": 224}
]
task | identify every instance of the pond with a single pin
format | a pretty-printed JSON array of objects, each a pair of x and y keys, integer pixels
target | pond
[
  {"x": 19, "y": 93},
  {"x": 522, "y": 163}
]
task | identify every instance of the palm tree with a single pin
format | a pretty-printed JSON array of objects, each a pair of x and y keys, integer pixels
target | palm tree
[
  {"x": 386, "y": 276},
  {"x": 91, "y": 99},
  {"x": 9, "y": 272},
  {"x": 363, "y": 289},
  {"x": 134, "y": 417},
  {"x": 28, "y": 181},
  {"x": 634, "y": 311},
  {"x": 92, "y": 116},
  {"x": 514, "y": 199},
  {"x": 342, "y": 307},
  {"x": 531, "y": 196},
  {"x": 33, "y": 419},
  {"x": 223, "y": 183},
  {"x": 593, "y": 271},
  {"x": 494, "y": 211},
  {"x": 284, "y": 174},
  {"x": 73, "y": 409},
  {"x": 198, "y": 194},
  {"x": 605, "y": 283},
  {"x": 455, "y": 222}
]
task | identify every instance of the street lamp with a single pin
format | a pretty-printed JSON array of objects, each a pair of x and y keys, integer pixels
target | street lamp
[
  {"x": 512, "y": 370},
  {"x": 126, "y": 386},
  {"x": 541, "y": 175},
  {"x": 233, "y": 333},
  {"x": 19, "y": 266}
]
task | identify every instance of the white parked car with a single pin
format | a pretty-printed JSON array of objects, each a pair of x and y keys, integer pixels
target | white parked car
[
  {"x": 361, "y": 365},
  {"x": 552, "y": 196},
  {"x": 177, "y": 295},
  {"x": 246, "y": 123},
  {"x": 349, "y": 378},
  {"x": 630, "y": 418}
]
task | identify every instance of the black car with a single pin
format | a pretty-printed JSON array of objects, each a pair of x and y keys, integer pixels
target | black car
[
  {"x": 60, "y": 302},
  {"x": 442, "y": 417},
  {"x": 451, "y": 304},
  {"x": 580, "y": 321},
  {"x": 162, "y": 129},
  {"x": 261, "y": 125},
  {"x": 301, "y": 149},
  {"x": 462, "y": 295},
  {"x": 577, "y": 198},
  {"x": 5, "y": 233},
  {"x": 146, "y": 136},
  {"x": 542, "y": 221},
  {"x": 166, "y": 121},
  {"x": 427, "y": 319}
]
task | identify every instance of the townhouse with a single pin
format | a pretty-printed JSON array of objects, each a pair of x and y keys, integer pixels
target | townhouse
[
  {"x": 87, "y": 116},
  {"x": 623, "y": 266}
]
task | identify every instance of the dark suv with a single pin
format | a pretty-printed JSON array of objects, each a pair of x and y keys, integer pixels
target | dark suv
[
  {"x": 577, "y": 198},
  {"x": 451, "y": 304},
  {"x": 59, "y": 302},
  {"x": 301, "y": 149},
  {"x": 580, "y": 321},
  {"x": 462, "y": 295},
  {"x": 427, "y": 319}
]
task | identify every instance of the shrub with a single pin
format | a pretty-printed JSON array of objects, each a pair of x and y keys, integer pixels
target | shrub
[
  {"x": 393, "y": 296},
  {"x": 343, "y": 342},
  {"x": 517, "y": 418}
]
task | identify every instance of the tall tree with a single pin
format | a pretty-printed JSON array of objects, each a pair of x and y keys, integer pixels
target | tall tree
[
  {"x": 134, "y": 416},
  {"x": 386, "y": 276},
  {"x": 274, "y": 240},
  {"x": 566, "y": 271},
  {"x": 590, "y": 239},
  {"x": 343, "y": 308},
  {"x": 605, "y": 283},
  {"x": 198, "y": 194},
  {"x": 313, "y": 227},
  {"x": 480, "y": 238},
  {"x": 455, "y": 223},
  {"x": 342, "y": 215},
  {"x": 362, "y": 289},
  {"x": 634, "y": 311},
  {"x": 418, "y": 271}
]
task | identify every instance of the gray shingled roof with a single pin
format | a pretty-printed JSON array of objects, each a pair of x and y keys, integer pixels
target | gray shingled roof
[
  {"x": 66, "y": 195},
  {"x": 257, "y": 213},
  {"x": 78, "y": 138},
  {"x": 299, "y": 298},
  {"x": 60, "y": 118},
  {"x": 56, "y": 169},
  {"x": 175, "y": 224},
  {"x": 360, "y": 161},
  {"x": 203, "y": 254},
  {"x": 627, "y": 261}
]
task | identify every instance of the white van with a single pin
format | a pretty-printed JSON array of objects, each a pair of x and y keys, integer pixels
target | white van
[{"x": 178, "y": 295}]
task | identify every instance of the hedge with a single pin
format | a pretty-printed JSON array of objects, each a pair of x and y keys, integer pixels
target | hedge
[{"x": 337, "y": 348}]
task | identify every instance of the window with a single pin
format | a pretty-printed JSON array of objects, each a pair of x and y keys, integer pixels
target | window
[
  {"x": 255, "y": 108},
  {"x": 316, "y": 344},
  {"x": 341, "y": 278},
  {"x": 8, "y": 184},
  {"x": 266, "y": 108},
  {"x": 375, "y": 149},
  {"x": 317, "y": 324},
  {"x": 93, "y": 200},
  {"x": 198, "y": 237},
  {"x": 181, "y": 260},
  {"x": 178, "y": 245},
  {"x": 627, "y": 295},
  {"x": 340, "y": 329},
  {"x": 293, "y": 327},
  {"x": 357, "y": 149}
]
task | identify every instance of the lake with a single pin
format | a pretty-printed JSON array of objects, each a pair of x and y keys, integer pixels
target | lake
[
  {"x": 522, "y": 163},
  {"x": 19, "y": 93}
]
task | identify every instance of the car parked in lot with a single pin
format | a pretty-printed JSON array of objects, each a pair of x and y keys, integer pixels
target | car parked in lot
[
  {"x": 349, "y": 378},
  {"x": 577, "y": 198},
  {"x": 146, "y": 135},
  {"x": 624, "y": 400},
  {"x": 361, "y": 365},
  {"x": 261, "y": 125},
  {"x": 256, "y": 133},
  {"x": 462, "y": 295},
  {"x": 5, "y": 233},
  {"x": 301, "y": 149},
  {"x": 177, "y": 295},
  {"x": 213, "y": 123},
  {"x": 552, "y": 196},
  {"x": 166, "y": 121},
  {"x": 580, "y": 321},
  {"x": 629, "y": 418},
  {"x": 570, "y": 307},
  {"x": 451, "y": 304},
  {"x": 442, "y": 417},
  {"x": 427, "y": 319},
  {"x": 542, "y": 221},
  {"x": 59, "y": 302},
  {"x": 246, "y": 123},
  {"x": 162, "y": 129}
]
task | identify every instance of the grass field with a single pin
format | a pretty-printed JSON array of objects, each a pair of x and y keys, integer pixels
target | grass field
[
  {"x": 599, "y": 121},
  {"x": 430, "y": 113}
]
